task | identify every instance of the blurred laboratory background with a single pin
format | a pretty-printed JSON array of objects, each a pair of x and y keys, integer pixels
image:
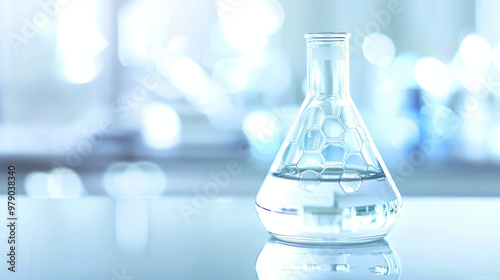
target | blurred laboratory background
[{"x": 147, "y": 98}]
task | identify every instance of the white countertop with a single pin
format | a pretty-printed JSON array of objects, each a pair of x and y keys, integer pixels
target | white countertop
[{"x": 99, "y": 238}]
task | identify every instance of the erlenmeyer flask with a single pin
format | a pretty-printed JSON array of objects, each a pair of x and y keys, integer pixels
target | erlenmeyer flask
[{"x": 328, "y": 182}]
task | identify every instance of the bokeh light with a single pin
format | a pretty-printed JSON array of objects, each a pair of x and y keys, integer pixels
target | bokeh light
[
  {"x": 188, "y": 76},
  {"x": 247, "y": 26},
  {"x": 475, "y": 52},
  {"x": 80, "y": 41},
  {"x": 405, "y": 133},
  {"x": 403, "y": 68},
  {"x": 133, "y": 33},
  {"x": 141, "y": 180},
  {"x": 258, "y": 59},
  {"x": 432, "y": 75},
  {"x": 262, "y": 134},
  {"x": 439, "y": 120},
  {"x": 199, "y": 89},
  {"x": 81, "y": 71},
  {"x": 387, "y": 98},
  {"x": 379, "y": 49},
  {"x": 161, "y": 126},
  {"x": 58, "y": 183},
  {"x": 219, "y": 47},
  {"x": 231, "y": 75}
]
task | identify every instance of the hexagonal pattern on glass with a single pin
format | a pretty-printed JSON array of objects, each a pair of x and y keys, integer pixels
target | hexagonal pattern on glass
[
  {"x": 332, "y": 128},
  {"x": 355, "y": 162},
  {"x": 313, "y": 117},
  {"x": 309, "y": 180},
  {"x": 311, "y": 161},
  {"x": 331, "y": 173},
  {"x": 327, "y": 143},
  {"x": 350, "y": 181},
  {"x": 330, "y": 108},
  {"x": 334, "y": 153},
  {"x": 362, "y": 133},
  {"x": 292, "y": 153},
  {"x": 312, "y": 140},
  {"x": 352, "y": 141},
  {"x": 347, "y": 117}
]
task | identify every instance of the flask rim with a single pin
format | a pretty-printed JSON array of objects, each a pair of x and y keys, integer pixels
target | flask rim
[{"x": 328, "y": 35}]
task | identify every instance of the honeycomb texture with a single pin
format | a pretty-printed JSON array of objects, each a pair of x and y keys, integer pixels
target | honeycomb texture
[{"x": 328, "y": 143}]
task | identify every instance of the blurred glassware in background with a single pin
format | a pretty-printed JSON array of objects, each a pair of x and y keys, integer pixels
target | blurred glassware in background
[
  {"x": 132, "y": 184},
  {"x": 279, "y": 260},
  {"x": 328, "y": 182},
  {"x": 58, "y": 183},
  {"x": 141, "y": 180}
]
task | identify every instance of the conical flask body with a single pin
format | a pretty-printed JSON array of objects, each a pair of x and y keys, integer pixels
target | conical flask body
[{"x": 328, "y": 182}]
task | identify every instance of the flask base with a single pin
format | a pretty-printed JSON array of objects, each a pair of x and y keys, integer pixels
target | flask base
[
  {"x": 328, "y": 229},
  {"x": 327, "y": 214},
  {"x": 299, "y": 239}
]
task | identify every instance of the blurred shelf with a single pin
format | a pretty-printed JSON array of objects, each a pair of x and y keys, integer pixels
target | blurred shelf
[{"x": 186, "y": 174}]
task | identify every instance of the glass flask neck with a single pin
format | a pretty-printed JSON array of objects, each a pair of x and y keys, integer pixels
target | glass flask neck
[{"x": 327, "y": 65}]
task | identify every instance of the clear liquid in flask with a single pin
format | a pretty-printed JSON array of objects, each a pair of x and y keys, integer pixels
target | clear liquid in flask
[{"x": 327, "y": 214}]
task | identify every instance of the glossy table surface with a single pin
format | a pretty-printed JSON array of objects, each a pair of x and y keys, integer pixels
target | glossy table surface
[{"x": 183, "y": 237}]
